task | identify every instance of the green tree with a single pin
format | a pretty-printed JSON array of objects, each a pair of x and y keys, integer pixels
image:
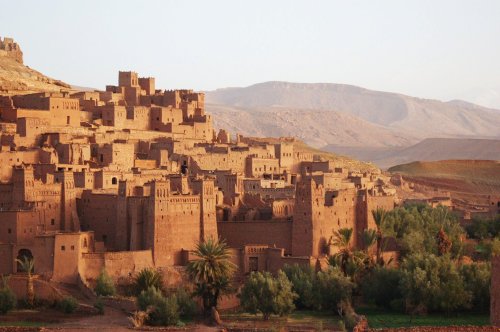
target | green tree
[
  {"x": 331, "y": 289},
  {"x": 146, "y": 278},
  {"x": 477, "y": 280},
  {"x": 268, "y": 295},
  {"x": 27, "y": 265},
  {"x": 212, "y": 272},
  {"x": 104, "y": 284},
  {"x": 381, "y": 286},
  {"x": 415, "y": 228},
  {"x": 303, "y": 278},
  {"x": 432, "y": 283}
]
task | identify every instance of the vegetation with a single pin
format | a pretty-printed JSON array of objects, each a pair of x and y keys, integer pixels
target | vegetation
[
  {"x": 211, "y": 273},
  {"x": 379, "y": 216},
  {"x": 381, "y": 286},
  {"x": 433, "y": 283},
  {"x": 99, "y": 306},
  {"x": 160, "y": 310},
  {"x": 67, "y": 305},
  {"x": 382, "y": 318},
  {"x": 28, "y": 265},
  {"x": 8, "y": 299},
  {"x": 332, "y": 289},
  {"x": 104, "y": 285},
  {"x": 477, "y": 281},
  {"x": 303, "y": 279},
  {"x": 187, "y": 306},
  {"x": 415, "y": 228},
  {"x": 147, "y": 278},
  {"x": 484, "y": 228},
  {"x": 265, "y": 294}
]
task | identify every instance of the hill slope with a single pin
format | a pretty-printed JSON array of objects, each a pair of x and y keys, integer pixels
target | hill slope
[
  {"x": 402, "y": 119},
  {"x": 316, "y": 127},
  {"x": 480, "y": 176},
  {"x": 16, "y": 78},
  {"x": 430, "y": 149}
]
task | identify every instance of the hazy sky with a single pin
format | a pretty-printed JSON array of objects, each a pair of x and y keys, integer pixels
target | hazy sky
[{"x": 431, "y": 49}]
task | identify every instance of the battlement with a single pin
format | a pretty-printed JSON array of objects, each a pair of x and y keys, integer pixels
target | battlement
[{"x": 12, "y": 48}]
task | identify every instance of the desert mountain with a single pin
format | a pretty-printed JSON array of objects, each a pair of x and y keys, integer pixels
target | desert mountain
[
  {"x": 430, "y": 149},
  {"x": 360, "y": 117},
  {"x": 16, "y": 78}
]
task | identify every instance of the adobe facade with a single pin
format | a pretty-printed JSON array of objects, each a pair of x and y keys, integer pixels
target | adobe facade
[{"x": 135, "y": 176}]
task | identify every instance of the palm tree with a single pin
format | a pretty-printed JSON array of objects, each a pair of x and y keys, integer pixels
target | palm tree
[
  {"x": 342, "y": 240},
  {"x": 211, "y": 273},
  {"x": 369, "y": 240},
  {"x": 379, "y": 216},
  {"x": 27, "y": 265}
]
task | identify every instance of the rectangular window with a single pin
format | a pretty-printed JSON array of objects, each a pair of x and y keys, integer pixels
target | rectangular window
[{"x": 63, "y": 248}]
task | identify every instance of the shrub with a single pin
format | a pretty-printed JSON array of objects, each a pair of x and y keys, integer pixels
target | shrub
[
  {"x": 166, "y": 312},
  {"x": 150, "y": 297},
  {"x": 161, "y": 310},
  {"x": 104, "y": 285},
  {"x": 331, "y": 289},
  {"x": 147, "y": 278},
  {"x": 67, "y": 305},
  {"x": 187, "y": 306},
  {"x": 302, "y": 279},
  {"x": 7, "y": 300},
  {"x": 268, "y": 295},
  {"x": 99, "y": 306},
  {"x": 381, "y": 286}
]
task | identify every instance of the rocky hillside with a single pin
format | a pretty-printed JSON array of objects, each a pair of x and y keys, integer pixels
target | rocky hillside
[
  {"x": 430, "y": 149},
  {"x": 479, "y": 176},
  {"x": 347, "y": 116},
  {"x": 16, "y": 78}
]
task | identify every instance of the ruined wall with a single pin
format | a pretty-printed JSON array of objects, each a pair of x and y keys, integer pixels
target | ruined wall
[{"x": 271, "y": 233}]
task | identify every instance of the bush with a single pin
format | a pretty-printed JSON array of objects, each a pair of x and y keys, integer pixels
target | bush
[
  {"x": 147, "y": 278},
  {"x": 331, "y": 289},
  {"x": 303, "y": 279},
  {"x": 67, "y": 305},
  {"x": 8, "y": 300},
  {"x": 268, "y": 295},
  {"x": 161, "y": 310},
  {"x": 150, "y": 297},
  {"x": 104, "y": 285},
  {"x": 187, "y": 306},
  {"x": 166, "y": 312},
  {"x": 99, "y": 306},
  {"x": 381, "y": 287}
]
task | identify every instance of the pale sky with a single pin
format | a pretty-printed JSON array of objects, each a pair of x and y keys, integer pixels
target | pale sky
[{"x": 430, "y": 49}]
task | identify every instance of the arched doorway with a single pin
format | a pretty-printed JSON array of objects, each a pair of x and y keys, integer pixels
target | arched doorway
[{"x": 21, "y": 256}]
